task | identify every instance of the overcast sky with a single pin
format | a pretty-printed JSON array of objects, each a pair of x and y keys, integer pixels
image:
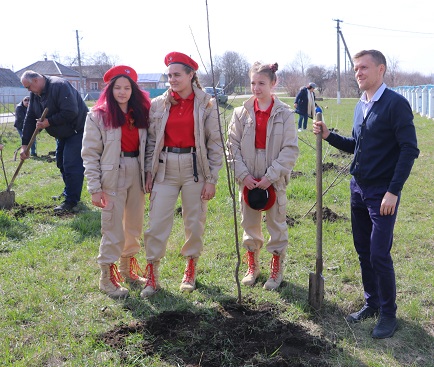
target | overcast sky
[{"x": 140, "y": 33}]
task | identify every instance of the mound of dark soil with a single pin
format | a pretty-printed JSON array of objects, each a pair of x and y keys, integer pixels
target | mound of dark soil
[
  {"x": 234, "y": 336},
  {"x": 329, "y": 215},
  {"x": 295, "y": 174},
  {"x": 330, "y": 166},
  {"x": 21, "y": 210}
]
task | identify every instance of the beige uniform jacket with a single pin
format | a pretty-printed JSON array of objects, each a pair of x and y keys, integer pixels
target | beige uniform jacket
[
  {"x": 281, "y": 143},
  {"x": 101, "y": 153},
  {"x": 207, "y": 134}
]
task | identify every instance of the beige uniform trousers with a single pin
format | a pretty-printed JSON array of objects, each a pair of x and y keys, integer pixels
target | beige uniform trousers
[
  {"x": 122, "y": 217},
  {"x": 174, "y": 175},
  {"x": 251, "y": 219}
]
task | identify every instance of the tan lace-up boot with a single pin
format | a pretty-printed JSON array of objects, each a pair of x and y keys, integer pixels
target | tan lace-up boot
[
  {"x": 109, "y": 281},
  {"x": 253, "y": 269},
  {"x": 151, "y": 276},
  {"x": 129, "y": 269},
  {"x": 188, "y": 283},
  {"x": 276, "y": 276}
]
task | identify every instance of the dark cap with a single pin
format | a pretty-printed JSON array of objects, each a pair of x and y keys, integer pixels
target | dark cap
[{"x": 259, "y": 199}]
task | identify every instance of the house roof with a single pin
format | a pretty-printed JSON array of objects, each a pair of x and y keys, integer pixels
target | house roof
[
  {"x": 149, "y": 78},
  {"x": 50, "y": 67},
  {"x": 92, "y": 71},
  {"x": 9, "y": 79}
]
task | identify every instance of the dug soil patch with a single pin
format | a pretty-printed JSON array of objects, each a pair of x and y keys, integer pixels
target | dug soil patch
[
  {"x": 233, "y": 336},
  {"x": 329, "y": 215}
]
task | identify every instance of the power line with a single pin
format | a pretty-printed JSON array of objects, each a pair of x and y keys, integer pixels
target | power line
[{"x": 391, "y": 30}]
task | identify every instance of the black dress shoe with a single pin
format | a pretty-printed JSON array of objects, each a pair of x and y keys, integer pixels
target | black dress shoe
[
  {"x": 385, "y": 327},
  {"x": 65, "y": 207},
  {"x": 58, "y": 197},
  {"x": 364, "y": 313}
]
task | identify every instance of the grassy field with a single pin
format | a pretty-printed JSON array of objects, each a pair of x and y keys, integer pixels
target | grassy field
[{"x": 52, "y": 313}]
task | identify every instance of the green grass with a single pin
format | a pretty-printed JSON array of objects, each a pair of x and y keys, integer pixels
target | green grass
[{"x": 52, "y": 312}]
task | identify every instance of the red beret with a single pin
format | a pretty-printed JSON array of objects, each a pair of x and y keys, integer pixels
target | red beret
[
  {"x": 259, "y": 199},
  {"x": 120, "y": 70},
  {"x": 180, "y": 58}
]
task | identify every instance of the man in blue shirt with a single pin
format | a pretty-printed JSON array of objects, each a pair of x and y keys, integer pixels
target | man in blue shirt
[{"x": 385, "y": 146}]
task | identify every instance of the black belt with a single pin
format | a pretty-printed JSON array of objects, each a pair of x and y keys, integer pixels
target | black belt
[
  {"x": 130, "y": 154},
  {"x": 185, "y": 150},
  {"x": 179, "y": 150}
]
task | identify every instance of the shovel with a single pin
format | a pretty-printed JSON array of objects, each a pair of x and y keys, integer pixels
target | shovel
[
  {"x": 7, "y": 198},
  {"x": 316, "y": 280}
]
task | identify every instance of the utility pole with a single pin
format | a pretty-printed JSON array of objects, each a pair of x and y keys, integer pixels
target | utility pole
[
  {"x": 79, "y": 65},
  {"x": 338, "y": 64}
]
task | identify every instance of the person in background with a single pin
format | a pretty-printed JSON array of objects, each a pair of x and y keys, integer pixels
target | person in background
[
  {"x": 262, "y": 150},
  {"x": 184, "y": 154},
  {"x": 65, "y": 122},
  {"x": 384, "y": 145},
  {"x": 20, "y": 114},
  {"x": 1, "y": 146},
  {"x": 305, "y": 105},
  {"x": 114, "y": 154}
]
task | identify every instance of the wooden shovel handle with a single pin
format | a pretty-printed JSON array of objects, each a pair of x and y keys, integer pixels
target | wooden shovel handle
[
  {"x": 319, "y": 262},
  {"x": 32, "y": 140}
]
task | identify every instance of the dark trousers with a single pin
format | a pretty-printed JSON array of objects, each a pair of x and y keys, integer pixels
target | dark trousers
[
  {"x": 70, "y": 164},
  {"x": 33, "y": 147},
  {"x": 302, "y": 121},
  {"x": 373, "y": 237}
]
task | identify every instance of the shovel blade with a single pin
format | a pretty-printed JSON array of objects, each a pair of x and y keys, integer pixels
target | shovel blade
[
  {"x": 7, "y": 199},
  {"x": 316, "y": 290}
]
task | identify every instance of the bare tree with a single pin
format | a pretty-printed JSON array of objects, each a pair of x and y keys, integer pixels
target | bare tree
[
  {"x": 98, "y": 58},
  {"x": 319, "y": 75},
  {"x": 301, "y": 62},
  {"x": 291, "y": 80},
  {"x": 235, "y": 69},
  {"x": 392, "y": 70}
]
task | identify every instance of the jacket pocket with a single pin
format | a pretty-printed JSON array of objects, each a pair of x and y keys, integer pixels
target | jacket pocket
[
  {"x": 151, "y": 199},
  {"x": 121, "y": 177},
  {"x": 281, "y": 202},
  {"x": 161, "y": 170},
  {"x": 107, "y": 216}
]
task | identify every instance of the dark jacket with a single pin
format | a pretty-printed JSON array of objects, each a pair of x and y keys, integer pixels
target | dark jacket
[
  {"x": 302, "y": 101},
  {"x": 20, "y": 114},
  {"x": 384, "y": 143},
  {"x": 66, "y": 109}
]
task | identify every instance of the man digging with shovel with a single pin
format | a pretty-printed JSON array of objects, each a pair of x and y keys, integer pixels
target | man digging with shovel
[
  {"x": 384, "y": 145},
  {"x": 65, "y": 122}
]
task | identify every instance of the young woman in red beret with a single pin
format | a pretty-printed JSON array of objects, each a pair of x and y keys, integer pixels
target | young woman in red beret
[
  {"x": 183, "y": 155},
  {"x": 262, "y": 150},
  {"x": 113, "y": 155}
]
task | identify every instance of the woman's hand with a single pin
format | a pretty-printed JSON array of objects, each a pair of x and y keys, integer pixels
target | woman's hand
[
  {"x": 263, "y": 184},
  {"x": 208, "y": 191},
  {"x": 148, "y": 182},
  {"x": 250, "y": 182},
  {"x": 98, "y": 199}
]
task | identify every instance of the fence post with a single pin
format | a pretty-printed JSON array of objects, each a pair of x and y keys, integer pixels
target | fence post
[{"x": 431, "y": 103}]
